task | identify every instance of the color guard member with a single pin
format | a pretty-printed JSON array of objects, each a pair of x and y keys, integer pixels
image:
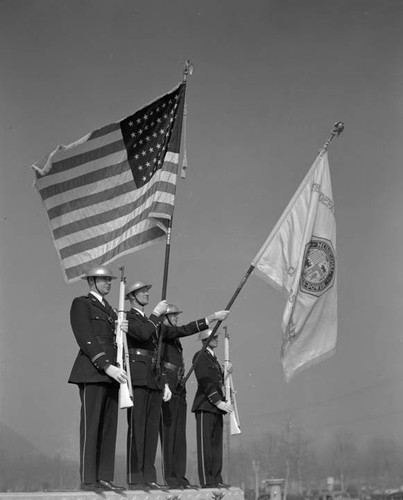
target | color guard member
[
  {"x": 93, "y": 323},
  {"x": 149, "y": 389},
  {"x": 209, "y": 406},
  {"x": 173, "y": 423}
]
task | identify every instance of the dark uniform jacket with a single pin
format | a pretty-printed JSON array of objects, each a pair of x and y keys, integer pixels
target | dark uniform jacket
[
  {"x": 94, "y": 329},
  {"x": 210, "y": 383},
  {"x": 142, "y": 342},
  {"x": 172, "y": 351}
]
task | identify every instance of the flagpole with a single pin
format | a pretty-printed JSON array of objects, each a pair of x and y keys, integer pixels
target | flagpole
[
  {"x": 336, "y": 131},
  {"x": 188, "y": 69}
]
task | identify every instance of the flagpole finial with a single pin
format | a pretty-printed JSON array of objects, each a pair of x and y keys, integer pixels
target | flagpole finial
[
  {"x": 338, "y": 128},
  {"x": 188, "y": 69}
]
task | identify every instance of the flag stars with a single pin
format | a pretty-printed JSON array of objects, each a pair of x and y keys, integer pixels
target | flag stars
[{"x": 147, "y": 134}]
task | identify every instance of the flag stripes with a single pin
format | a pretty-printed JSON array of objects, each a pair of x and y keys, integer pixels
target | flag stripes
[
  {"x": 106, "y": 196},
  {"x": 130, "y": 244}
]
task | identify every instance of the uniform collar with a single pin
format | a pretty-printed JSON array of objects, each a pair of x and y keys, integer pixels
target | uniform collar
[
  {"x": 210, "y": 350},
  {"x": 98, "y": 296},
  {"x": 139, "y": 311}
]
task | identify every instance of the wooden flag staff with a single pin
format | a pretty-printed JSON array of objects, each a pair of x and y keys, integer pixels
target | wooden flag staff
[{"x": 187, "y": 71}]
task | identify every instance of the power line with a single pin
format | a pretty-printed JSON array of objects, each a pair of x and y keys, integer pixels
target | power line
[
  {"x": 342, "y": 422},
  {"x": 314, "y": 404}
]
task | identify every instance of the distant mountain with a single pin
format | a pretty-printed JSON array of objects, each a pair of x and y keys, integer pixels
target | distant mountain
[{"x": 13, "y": 445}]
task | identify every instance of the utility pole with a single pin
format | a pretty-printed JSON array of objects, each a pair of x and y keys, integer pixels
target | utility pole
[
  {"x": 256, "y": 469},
  {"x": 287, "y": 460}
]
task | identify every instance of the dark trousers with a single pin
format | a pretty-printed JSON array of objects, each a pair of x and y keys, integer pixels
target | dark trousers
[
  {"x": 142, "y": 435},
  {"x": 173, "y": 440},
  {"x": 209, "y": 433},
  {"x": 98, "y": 427}
]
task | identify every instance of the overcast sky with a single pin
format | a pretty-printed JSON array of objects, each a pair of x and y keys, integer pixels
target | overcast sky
[{"x": 270, "y": 79}]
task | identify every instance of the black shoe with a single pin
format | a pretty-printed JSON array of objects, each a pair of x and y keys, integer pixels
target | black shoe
[
  {"x": 138, "y": 486},
  {"x": 188, "y": 486},
  {"x": 223, "y": 485},
  {"x": 155, "y": 486},
  {"x": 91, "y": 487},
  {"x": 109, "y": 486},
  {"x": 210, "y": 486}
]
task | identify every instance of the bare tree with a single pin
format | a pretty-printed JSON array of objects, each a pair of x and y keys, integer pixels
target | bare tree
[{"x": 344, "y": 455}]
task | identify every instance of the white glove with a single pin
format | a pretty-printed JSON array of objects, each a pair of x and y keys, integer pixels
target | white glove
[
  {"x": 221, "y": 315},
  {"x": 124, "y": 326},
  {"x": 227, "y": 407},
  {"x": 228, "y": 368},
  {"x": 161, "y": 308},
  {"x": 116, "y": 373},
  {"x": 167, "y": 393}
]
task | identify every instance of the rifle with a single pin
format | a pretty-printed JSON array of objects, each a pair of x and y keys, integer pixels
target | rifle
[
  {"x": 229, "y": 388},
  {"x": 122, "y": 357}
]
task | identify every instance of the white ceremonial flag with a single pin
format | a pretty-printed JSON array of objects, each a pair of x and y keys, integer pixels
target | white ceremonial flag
[{"x": 299, "y": 256}]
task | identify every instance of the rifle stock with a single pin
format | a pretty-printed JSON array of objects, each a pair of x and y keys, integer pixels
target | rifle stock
[
  {"x": 122, "y": 357},
  {"x": 229, "y": 389}
]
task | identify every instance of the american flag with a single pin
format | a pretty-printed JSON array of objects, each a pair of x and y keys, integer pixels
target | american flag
[{"x": 112, "y": 192}]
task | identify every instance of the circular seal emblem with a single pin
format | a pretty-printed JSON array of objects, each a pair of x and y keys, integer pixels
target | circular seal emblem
[{"x": 319, "y": 267}]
